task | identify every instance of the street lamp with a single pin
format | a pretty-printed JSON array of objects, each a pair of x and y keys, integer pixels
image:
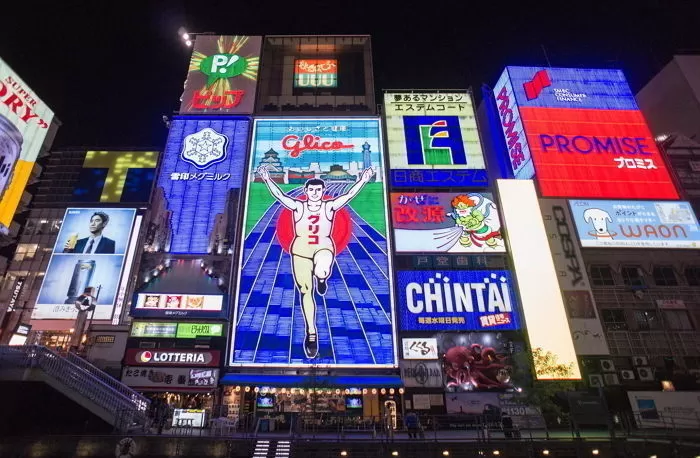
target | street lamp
[{"x": 189, "y": 37}]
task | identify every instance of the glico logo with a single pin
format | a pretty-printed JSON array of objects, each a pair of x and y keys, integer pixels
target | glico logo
[
  {"x": 308, "y": 142},
  {"x": 434, "y": 140},
  {"x": 505, "y": 112},
  {"x": 440, "y": 295},
  {"x": 567, "y": 245}
]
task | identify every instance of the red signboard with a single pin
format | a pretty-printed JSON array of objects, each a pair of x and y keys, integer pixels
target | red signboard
[{"x": 172, "y": 357}]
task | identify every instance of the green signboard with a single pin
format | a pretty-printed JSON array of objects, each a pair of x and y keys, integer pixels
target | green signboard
[
  {"x": 146, "y": 329},
  {"x": 177, "y": 330},
  {"x": 192, "y": 330}
]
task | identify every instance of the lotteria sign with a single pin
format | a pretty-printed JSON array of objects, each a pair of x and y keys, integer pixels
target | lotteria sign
[
  {"x": 580, "y": 133},
  {"x": 172, "y": 357},
  {"x": 457, "y": 301}
]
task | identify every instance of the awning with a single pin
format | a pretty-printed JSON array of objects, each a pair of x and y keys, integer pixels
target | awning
[{"x": 306, "y": 381}]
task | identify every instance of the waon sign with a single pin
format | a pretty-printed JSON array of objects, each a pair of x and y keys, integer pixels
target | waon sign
[{"x": 580, "y": 133}]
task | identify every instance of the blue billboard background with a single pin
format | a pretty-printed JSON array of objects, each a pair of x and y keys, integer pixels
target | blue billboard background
[
  {"x": 425, "y": 299},
  {"x": 198, "y": 174}
]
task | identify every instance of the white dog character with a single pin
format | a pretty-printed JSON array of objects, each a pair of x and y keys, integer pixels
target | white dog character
[{"x": 599, "y": 219}]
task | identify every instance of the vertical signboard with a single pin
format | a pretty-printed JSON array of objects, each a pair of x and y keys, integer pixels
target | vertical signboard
[
  {"x": 86, "y": 264},
  {"x": 116, "y": 176},
  {"x": 540, "y": 295},
  {"x": 222, "y": 76},
  {"x": 314, "y": 282},
  {"x": 24, "y": 123},
  {"x": 580, "y": 133},
  {"x": 586, "y": 329},
  {"x": 433, "y": 140},
  {"x": 201, "y": 172}
]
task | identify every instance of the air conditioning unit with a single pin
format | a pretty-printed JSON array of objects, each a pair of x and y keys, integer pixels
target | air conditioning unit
[
  {"x": 595, "y": 380},
  {"x": 627, "y": 375},
  {"x": 645, "y": 373},
  {"x": 611, "y": 379},
  {"x": 607, "y": 365},
  {"x": 640, "y": 361},
  {"x": 695, "y": 372}
]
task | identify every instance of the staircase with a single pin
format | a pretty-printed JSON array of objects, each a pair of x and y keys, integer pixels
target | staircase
[
  {"x": 272, "y": 449},
  {"x": 86, "y": 385}
]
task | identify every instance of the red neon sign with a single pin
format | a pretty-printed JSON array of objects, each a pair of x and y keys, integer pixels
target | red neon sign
[{"x": 296, "y": 146}]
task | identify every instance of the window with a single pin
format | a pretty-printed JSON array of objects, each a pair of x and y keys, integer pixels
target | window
[
  {"x": 614, "y": 320},
  {"x": 601, "y": 275},
  {"x": 678, "y": 320},
  {"x": 664, "y": 276},
  {"x": 692, "y": 275},
  {"x": 647, "y": 320},
  {"x": 632, "y": 276}
]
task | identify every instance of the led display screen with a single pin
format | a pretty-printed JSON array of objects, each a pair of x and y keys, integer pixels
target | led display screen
[
  {"x": 620, "y": 223},
  {"x": 85, "y": 267},
  {"x": 441, "y": 222},
  {"x": 178, "y": 305},
  {"x": 200, "y": 173},
  {"x": 580, "y": 132},
  {"x": 222, "y": 75},
  {"x": 541, "y": 297},
  {"x": 24, "y": 124},
  {"x": 314, "y": 282},
  {"x": 316, "y": 73},
  {"x": 179, "y": 330},
  {"x": 116, "y": 176},
  {"x": 433, "y": 140},
  {"x": 457, "y": 300}
]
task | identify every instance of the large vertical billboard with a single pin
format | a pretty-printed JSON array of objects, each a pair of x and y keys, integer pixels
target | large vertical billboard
[
  {"x": 86, "y": 263},
  {"x": 201, "y": 171},
  {"x": 222, "y": 76},
  {"x": 24, "y": 123},
  {"x": 580, "y": 133},
  {"x": 433, "y": 140},
  {"x": 314, "y": 279}
]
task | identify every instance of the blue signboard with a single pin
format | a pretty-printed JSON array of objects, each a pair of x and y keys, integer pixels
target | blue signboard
[
  {"x": 201, "y": 172},
  {"x": 639, "y": 224},
  {"x": 476, "y": 300}
]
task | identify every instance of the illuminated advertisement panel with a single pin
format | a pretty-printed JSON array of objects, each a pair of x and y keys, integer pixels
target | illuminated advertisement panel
[
  {"x": 178, "y": 305},
  {"x": 420, "y": 348},
  {"x": 433, "y": 140},
  {"x": 201, "y": 170},
  {"x": 24, "y": 123},
  {"x": 620, "y": 223},
  {"x": 85, "y": 267},
  {"x": 584, "y": 133},
  {"x": 116, "y": 176},
  {"x": 175, "y": 378},
  {"x": 541, "y": 298},
  {"x": 314, "y": 283},
  {"x": 316, "y": 73},
  {"x": 441, "y": 222},
  {"x": 222, "y": 76},
  {"x": 171, "y": 357},
  {"x": 474, "y": 300}
]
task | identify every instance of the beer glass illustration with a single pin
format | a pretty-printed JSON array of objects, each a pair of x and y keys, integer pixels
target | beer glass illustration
[
  {"x": 82, "y": 275},
  {"x": 70, "y": 243},
  {"x": 10, "y": 148}
]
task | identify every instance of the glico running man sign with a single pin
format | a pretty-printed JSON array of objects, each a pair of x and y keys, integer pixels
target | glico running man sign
[{"x": 314, "y": 282}]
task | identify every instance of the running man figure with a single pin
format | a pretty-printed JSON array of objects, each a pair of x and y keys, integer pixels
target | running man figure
[{"x": 313, "y": 249}]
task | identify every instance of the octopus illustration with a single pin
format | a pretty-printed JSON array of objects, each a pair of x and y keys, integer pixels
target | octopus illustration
[{"x": 475, "y": 367}]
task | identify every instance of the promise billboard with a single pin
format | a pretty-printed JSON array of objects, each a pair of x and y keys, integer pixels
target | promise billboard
[{"x": 580, "y": 133}]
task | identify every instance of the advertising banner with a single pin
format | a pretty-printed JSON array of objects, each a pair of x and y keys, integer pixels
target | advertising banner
[
  {"x": 86, "y": 264},
  {"x": 194, "y": 330},
  {"x": 171, "y": 357},
  {"x": 176, "y": 330},
  {"x": 24, "y": 123},
  {"x": 222, "y": 76},
  {"x": 419, "y": 348},
  {"x": 620, "y": 223},
  {"x": 477, "y": 300},
  {"x": 433, "y": 140},
  {"x": 178, "y": 305},
  {"x": 586, "y": 329},
  {"x": 116, "y": 176},
  {"x": 421, "y": 374},
  {"x": 314, "y": 283},
  {"x": 442, "y": 222},
  {"x": 582, "y": 131},
  {"x": 201, "y": 176},
  {"x": 170, "y": 378},
  {"x": 316, "y": 73},
  {"x": 154, "y": 330},
  {"x": 524, "y": 416},
  {"x": 664, "y": 409}
]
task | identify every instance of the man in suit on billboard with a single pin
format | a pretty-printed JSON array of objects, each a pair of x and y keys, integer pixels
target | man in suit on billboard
[{"x": 95, "y": 243}]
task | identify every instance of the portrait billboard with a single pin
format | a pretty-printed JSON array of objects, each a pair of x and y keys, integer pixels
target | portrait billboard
[
  {"x": 178, "y": 305},
  {"x": 580, "y": 133},
  {"x": 316, "y": 73},
  {"x": 314, "y": 283},
  {"x": 433, "y": 140},
  {"x": 222, "y": 76},
  {"x": 200, "y": 177},
  {"x": 116, "y": 176},
  {"x": 459, "y": 300},
  {"x": 24, "y": 124},
  {"x": 86, "y": 263},
  {"x": 442, "y": 222},
  {"x": 635, "y": 224}
]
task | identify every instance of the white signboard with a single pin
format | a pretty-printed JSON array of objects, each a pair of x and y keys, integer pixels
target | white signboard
[
  {"x": 421, "y": 374},
  {"x": 423, "y": 348},
  {"x": 664, "y": 409},
  {"x": 188, "y": 417}
]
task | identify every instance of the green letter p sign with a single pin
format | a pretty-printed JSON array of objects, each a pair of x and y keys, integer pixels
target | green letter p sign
[{"x": 221, "y": 66}]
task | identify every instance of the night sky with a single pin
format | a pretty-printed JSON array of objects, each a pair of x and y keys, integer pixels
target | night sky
[{"x": 110, "y": 70}]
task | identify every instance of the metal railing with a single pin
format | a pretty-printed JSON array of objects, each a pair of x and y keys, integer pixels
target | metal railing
[{"x": 128, "y": 407}]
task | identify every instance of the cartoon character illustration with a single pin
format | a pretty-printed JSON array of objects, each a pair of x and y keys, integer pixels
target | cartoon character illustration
[
  {"x": 599, "y": 219},
  {"x": 313, "y": 250},
  {"x": 470, "y": 214},
  {"x": 475, "y": 367}
]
